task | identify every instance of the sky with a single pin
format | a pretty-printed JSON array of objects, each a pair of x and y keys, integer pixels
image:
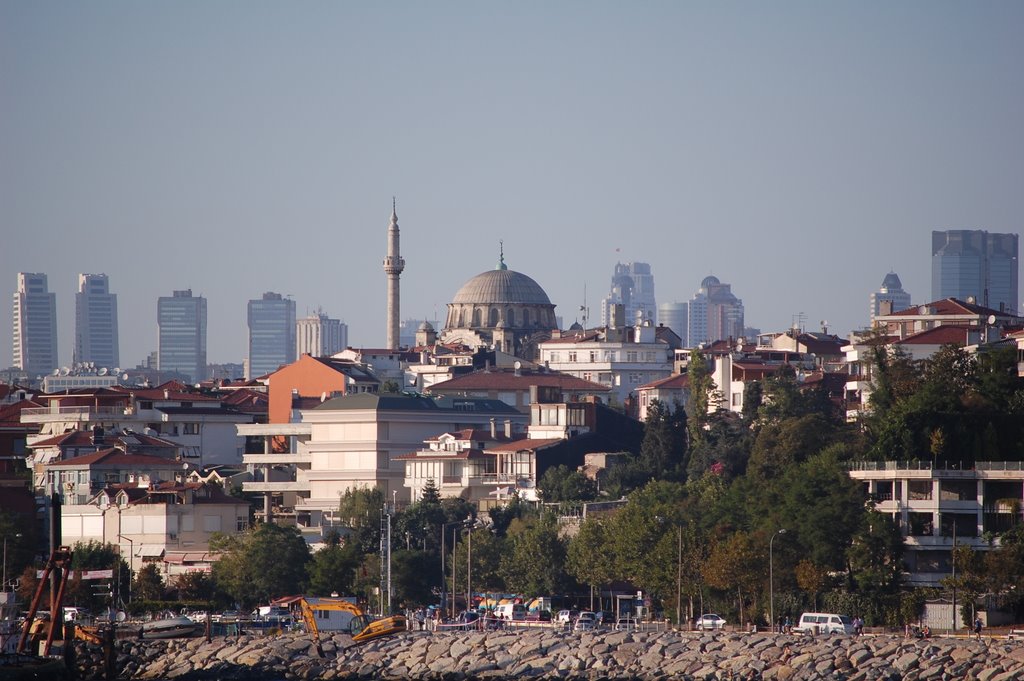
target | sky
[{"x": 798, "y": 151}]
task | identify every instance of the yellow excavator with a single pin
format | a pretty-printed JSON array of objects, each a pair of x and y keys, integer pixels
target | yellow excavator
[{"x": 352, "y": 620}]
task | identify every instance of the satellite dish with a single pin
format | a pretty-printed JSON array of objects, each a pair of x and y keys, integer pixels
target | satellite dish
[
  {"x": 64, "y": 371},
  {"x": 56, "y": 372},
  {"x": 103, "y": 371},
  {"x": 124, "y": 377},
  {"x": 991, "y": 319},
  {"x": 121, "y": 616},
  {"x": 517, "y": 365}
]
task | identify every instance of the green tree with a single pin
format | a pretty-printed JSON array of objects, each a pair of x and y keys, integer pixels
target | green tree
[
  {"x": 194, "y": 586},
  {"x": 663, "y": 450},
  {"x": 414, "y": 574},
  {"x": 332, "y": 569},
  {"x": 560, "y": 483},
  {"x": 701, "y": 387},
  {"x": 262, "y": 563},
  {"x": 359, "y": 510},
  {"x": 148, "y": 584},
  {"x": 811, "y": 578},
  {"x": 736, "y": 564},
  {"x": 588, "y": 558},
  {"x": 536, "y": 562},
  {"x": 95, "y": 555},
  {"x": 21, "y": 539},
  {"x": 876, "y": 555}
]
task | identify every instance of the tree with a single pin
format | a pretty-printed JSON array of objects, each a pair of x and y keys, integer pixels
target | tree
[
  {"x": 414, "y": 575},
  {"x": 264, "y": 562},
  {"x": 876, "y": 555},
  {"x": 663, "y": 450},
  {"x": 811, "y": 578},
  {"x": 701, "y": 387},
  {"x": 536, "y": 562},
  {"x": 560, "y": 483},
  {"x": 148, "y": 584},
  {"x": 736, "y": 564},
  {"x": 360, "y": 510},
  {"x": 95, "y": 555},
  {"x": 194, "y": 586},
  {"x": 21, "y": 539},
  {"x": 588, "y": 558},
  {"x": 332, "y": 569}
]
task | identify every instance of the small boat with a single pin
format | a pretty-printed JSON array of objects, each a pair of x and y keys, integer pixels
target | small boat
[{"x": 173, "y": 627}]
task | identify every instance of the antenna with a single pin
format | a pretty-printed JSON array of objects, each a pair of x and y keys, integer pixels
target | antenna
[{"x": 583, "y": 308}]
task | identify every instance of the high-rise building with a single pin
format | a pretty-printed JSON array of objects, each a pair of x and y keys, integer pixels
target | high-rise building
[
  {"x": 714, "y": 313},
  {"x": 973, "y": 263},
  {"x": 320, "y": 336},
  {"x": 892, "y": 292},
  {"x": 394, "y": 263},
  {"x": 676, "y": 317},
  {"x": 271, "y": 334},
  {"x": 181, "y": 320},
  {"x": 35, "y": 325},
  {"x": 633, "y": 288},
  {"x": 96, "y": 338}
]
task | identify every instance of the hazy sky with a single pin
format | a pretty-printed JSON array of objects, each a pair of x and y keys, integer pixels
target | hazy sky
[{"x": 797, "y": 150}]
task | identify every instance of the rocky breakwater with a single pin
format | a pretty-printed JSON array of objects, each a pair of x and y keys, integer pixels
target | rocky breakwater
[{"x": 548, "y": 654}]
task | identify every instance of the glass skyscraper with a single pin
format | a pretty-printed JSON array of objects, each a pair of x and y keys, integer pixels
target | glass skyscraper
[
  {"x": 35, "y": 325},
  {"x": 633, "y": 288},
  {"x": 96, "y": 338},
  {"x": 181, "y": 319},
  {"x": 973, "y": 263},
  {"x": 271, "y": 334}
]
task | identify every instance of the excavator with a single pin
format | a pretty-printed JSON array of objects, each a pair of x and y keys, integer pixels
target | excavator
[{"x": 359, "y": 625}]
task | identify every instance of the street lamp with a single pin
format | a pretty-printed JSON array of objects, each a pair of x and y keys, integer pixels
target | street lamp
[
  {"x": 17, "y": 536},
  {"x": 131, "y": 561},
  {"x": 444, "y": 585},
  {"x": 771, "y": 579}
]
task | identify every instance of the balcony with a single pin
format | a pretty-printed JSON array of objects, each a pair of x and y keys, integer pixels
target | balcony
[
  {"x": 81, "y": 414},
  {"x": 278, "y": 459},
  {"x": 281, "y": 486}
]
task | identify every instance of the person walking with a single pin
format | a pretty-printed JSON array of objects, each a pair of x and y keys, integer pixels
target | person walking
[{"x": 977, "y": 627}]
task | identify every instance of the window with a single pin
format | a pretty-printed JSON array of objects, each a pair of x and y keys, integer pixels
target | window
[
  {"x": 145, "y": 404},
  {"x": 635, "y": 377},
  {"x": 593, "y": 355},
  {"x": 555, "y": 357},
  {"x": 587, "y": 376},
  {"x": 631, "y": 356},
  {"x": 609, "y": 355},
  {"x": 190, "y": 428},
  {"x": 919, "y": 490},
  {"x": 241, "y": 523},
  {"x": 572, "y": 356}
]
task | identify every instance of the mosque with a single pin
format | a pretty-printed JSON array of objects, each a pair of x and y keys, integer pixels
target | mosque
[{"x": 499, "y": 309}]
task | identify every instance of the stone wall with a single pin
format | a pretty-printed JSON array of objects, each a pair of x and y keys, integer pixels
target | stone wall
[{"x": 550, "y": 654}]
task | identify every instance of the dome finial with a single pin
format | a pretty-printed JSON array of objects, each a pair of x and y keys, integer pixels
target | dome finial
[{"x": 501, "y": 255}]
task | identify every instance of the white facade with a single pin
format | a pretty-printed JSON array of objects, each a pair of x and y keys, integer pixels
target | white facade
[
  {"x": 937, "y": 508},
  {"x": 320, "y": 336},
  {"x": 621, "y": 365}
]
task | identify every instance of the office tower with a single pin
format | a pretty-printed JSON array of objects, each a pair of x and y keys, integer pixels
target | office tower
[
  {"x": 271, "y": 334},
  {"x": 35, "y": 325},
  {"x": 393, "y": 266},
  {"x": 975, "y": 264},
  {"x": 714, "y": 313},
  {"x": 181, "y": 319},
  {"x": 320, "y": 336},
  {"x": 633, "y": 288},
  {"x": 676, "y": 317},
  {"x": 96, "y": 322},
  {"x": 892, "y": 292}
]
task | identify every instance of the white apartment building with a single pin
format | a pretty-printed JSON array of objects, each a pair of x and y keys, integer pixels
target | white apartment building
[
  {"x": 623, "y": 359},
  {"x": 936, "y": 508},
  {"x": 353, "y": 442}
]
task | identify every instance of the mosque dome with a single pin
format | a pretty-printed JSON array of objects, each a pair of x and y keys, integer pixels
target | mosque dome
[
  {"x": 501, "y": 287},
  {"x": 425, "y": 326}
]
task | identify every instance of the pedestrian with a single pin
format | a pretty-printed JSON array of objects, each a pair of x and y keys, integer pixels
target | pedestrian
[
  {"x": 977, "y": 627},
  {"x": 779, "y": 625},
  {"x": 788, "y": 625}
]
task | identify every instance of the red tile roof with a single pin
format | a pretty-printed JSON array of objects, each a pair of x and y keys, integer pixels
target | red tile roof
[
  {"x": 431, "y": 454},
  {"x": 117, "y": 457},
  {"x": 525, "y": 443},
  {"x": 508, "y": 379},
  {"x": 941, "y": 335},
  {"x": 11, "y": 413},
  {"x": 948, "y": 306},
  {"x": 675, "y": 381}
]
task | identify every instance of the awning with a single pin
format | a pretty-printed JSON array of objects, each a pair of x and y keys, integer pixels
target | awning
[
  {"x": 190, "y": 557},
  {"x": 151, "y": 551}
]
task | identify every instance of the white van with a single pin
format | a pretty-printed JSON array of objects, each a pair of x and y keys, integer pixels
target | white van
[
  {"x": 510, "y": 611},
  {"x": 824, "y": 623}
]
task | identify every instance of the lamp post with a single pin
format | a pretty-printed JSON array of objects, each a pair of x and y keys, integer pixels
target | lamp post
[
  {"x": 131, "y": 561},
  {"x": 444, "y": 584},
  {"x": 16, "y": 536},
  {"x": 771, "y": 578}
]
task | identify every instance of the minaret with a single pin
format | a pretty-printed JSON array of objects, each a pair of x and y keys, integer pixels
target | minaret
[{"x": 393, "y": 266}]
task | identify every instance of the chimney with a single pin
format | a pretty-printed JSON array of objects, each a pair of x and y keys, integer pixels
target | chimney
[
  {"x": 494, "y": 430},
  {"x": 508, "y": 428},
  {"x": 167, "y": 394}
]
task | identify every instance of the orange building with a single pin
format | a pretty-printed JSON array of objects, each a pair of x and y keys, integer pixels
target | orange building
[{"x": 315, "y": 378}]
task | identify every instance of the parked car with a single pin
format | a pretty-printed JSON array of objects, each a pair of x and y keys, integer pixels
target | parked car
[
  {"x": 625, "y": 624},
  {"x": 567, "y": 616},
  {"x": 605, "y": 617},
  {"x": 538, "y": 616},
  {"x": 710, "y": 621},
  {"x": 824, "y": 623},
  {"x": 585, "y": 622}
]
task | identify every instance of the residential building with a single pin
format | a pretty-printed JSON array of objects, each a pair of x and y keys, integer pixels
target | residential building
[
  {"x": 456, "y": 463},
  {"x": 76, "y": 443},
  {"x": 519, "y": 387},
  {"x": 714, "y": 313},
  {"x": 320, "y": 336},
  {"x": 948, "y": 312},
  {"x": 181, "y": 319},
  {"x": 976, "y": 266},
  {"x": 673, "y": 391},
  {"x": 156, "y": 523},
  {"x": 78, "y": 479},
  {"x": 676, "y": 317},
  {"x": 272, "y": 334},
  {"x": 622, "y": 359},
  {"x": 937, "y": 508},
  {"x": 81, "y": 375},
  {"x": 96, "y": 336},
  {"x": 317, "y": 379},
  {"x": 352, "y": 442},
  {"x": 891, "y": 292},
  {"x": 35, "y": 326},
  {"x": 633, "y": 288}
]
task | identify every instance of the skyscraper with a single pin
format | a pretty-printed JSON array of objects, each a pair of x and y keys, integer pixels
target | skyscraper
[
  {"x": 271, "y": 334},
  {"x": 393, "y": 266},
  {"x": 96, "y": 322},
  {"x": 35, "y": 325},
  {"x": 714, "y": 313},
  {"x": 973, "y": 263},
  {"x": 181, "y": 319},
  {"x": 319, "y": 335},
  {"x": 891, "y": 291},
  {"x": 675, "y": 316},
  {"x": 633, "y": 288}
]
